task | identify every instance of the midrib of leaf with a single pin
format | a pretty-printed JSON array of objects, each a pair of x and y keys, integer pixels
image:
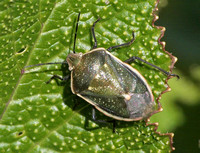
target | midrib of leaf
[{"x": 29, "y": 57}]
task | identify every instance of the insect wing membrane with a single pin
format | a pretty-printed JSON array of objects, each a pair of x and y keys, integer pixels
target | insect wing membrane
[{"x": 117, "y": 90}]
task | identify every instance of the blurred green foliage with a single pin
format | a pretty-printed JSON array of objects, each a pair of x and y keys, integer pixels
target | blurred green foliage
[
  {"x": 184, "y": 92},
  {"x": 181, "y": 106},
  {"x": 181, "y": 113}
]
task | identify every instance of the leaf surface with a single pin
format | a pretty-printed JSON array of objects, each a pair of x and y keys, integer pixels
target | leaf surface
[{"x": 39, "y": 117}]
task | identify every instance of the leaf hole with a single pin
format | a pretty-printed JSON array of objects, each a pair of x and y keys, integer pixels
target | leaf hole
[
  {"x": 20, "y": 133},
  {"x": 22, "y": 50}
]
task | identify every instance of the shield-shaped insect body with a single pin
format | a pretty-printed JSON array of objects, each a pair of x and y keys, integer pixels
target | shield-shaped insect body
[{"x": 112, "y": 86}]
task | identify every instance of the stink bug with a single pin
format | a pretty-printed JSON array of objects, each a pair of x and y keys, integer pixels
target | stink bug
[{"x": 113, "y": 87}]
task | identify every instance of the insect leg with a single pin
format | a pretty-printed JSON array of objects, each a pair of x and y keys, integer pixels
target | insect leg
[
  {"x": 93, "y": 33},
  {"x": 102, "y": 121},
  {"x": 125, "y": 44},
  {"x": 58, "y": 77},
  {"x": 76, "y": 103},
  {"x": 133, "y": 58},
  {"x": 114, "y": 125}
]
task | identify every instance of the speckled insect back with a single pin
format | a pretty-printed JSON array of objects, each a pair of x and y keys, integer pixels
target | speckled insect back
[{"x": 112, "y": 86}]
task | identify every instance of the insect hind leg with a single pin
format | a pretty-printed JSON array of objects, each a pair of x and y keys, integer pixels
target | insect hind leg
[{"x": 133, "y": 58}]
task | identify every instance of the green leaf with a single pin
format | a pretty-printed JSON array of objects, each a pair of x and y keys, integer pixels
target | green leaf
[
  {"x": 184, "y": 92},
  {"x": 39, "y": 117}
]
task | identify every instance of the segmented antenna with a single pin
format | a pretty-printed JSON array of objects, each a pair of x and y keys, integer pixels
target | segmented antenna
[
  {"x": 23, "y": 70},
  {"x": 76, "y": 32}
]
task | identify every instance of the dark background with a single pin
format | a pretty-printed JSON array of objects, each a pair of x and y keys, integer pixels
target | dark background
[
  {"x": 181, "y": 18},
  {"x": 182, "y": 21}
]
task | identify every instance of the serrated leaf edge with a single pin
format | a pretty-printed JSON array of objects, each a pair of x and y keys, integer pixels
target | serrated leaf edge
[{"x": 173, "y": 61}]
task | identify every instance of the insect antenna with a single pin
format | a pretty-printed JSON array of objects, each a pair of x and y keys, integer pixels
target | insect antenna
[
  {"x": 76, "y": 33},
  {"x": 23, "y": 70}
]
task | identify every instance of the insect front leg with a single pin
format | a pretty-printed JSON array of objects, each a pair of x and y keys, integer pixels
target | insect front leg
[
  {"x": 102, "y": 121},
  {"x": 133, "y": 58},
  {"x": 65, "y": 78}
]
